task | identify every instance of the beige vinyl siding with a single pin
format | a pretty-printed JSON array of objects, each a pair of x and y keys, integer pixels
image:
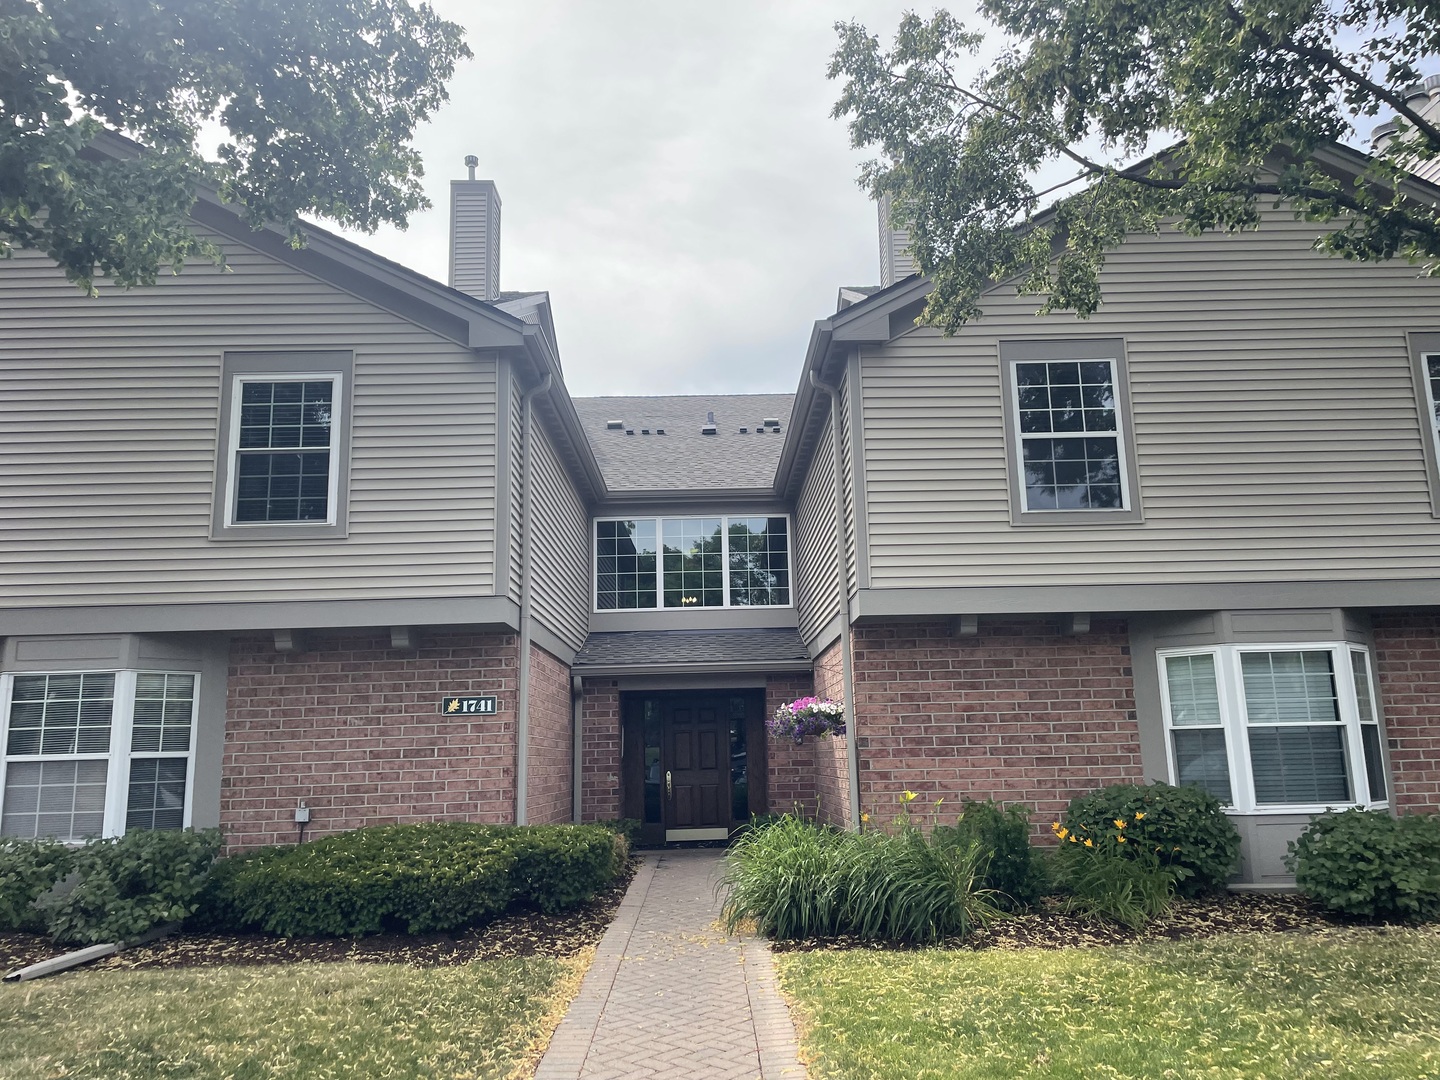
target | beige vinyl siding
[
  {"x": 1276, "y": 429},
  {"x": 516, "y": 486},
  {"x": 848, "y": 480},
  {"x": 817, "y": 595},
  {"x": 561, "y": 548},
  {"x": 108, "y": 429}
]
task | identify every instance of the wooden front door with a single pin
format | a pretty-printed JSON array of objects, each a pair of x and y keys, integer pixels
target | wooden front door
[{"x": 696, "y": 761}]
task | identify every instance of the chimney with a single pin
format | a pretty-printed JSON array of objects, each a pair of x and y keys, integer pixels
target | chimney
[
  {"x": 475, "y": 235},
  {"x": 895, "y": 261}
]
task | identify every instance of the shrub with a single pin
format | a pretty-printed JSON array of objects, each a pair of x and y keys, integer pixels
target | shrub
[
  {"x": 128, "y": 886},
  {"x": 440, "y": 876},
  {"x": 1014, "y": 869},
  {"x": 1369, "y": 864},
  {"x": 798, "y": 880},
  {"x": 562, "y": 866},
  {"x": 1183, "y": 827},
  {"x": 28, "y": 870},
  {"x": 628, "y": 827}
]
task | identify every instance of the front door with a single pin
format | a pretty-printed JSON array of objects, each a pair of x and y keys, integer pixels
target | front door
[
  {"x": 692, "y": 762},
  {"x": 696, "y": 761}
]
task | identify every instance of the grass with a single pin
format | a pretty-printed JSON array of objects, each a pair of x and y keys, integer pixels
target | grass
[
  {"x": 482, "y": 1019},
  {"x": 1348, "y": 1004}
]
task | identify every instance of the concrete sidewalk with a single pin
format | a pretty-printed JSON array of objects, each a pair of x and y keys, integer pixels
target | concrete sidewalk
[{"x": 669, "y": 995}]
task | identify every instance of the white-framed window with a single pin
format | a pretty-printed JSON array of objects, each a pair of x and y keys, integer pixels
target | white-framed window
[
  {"x": 1070, "y": 452},
  {"x": 684, "y": 562},
  {"x": 1430, "y": 379},
  {"x": 284, "y": 431},
  {"x": 1275, "y": 728},
  {"x": 94, "y": 753}
]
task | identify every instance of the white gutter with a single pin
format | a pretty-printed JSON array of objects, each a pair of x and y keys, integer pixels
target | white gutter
[
  {"x": 847, "y": 673},
  {"x": 527, "y": 517}
]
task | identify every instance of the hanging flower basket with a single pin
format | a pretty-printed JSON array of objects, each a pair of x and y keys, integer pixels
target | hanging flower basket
[{"x": 807, "y": 716}]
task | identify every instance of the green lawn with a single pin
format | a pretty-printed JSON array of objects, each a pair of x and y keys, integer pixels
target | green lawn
[
  {"x": 1280, "y": 1006},
  {"x": 481, "y": 1019}
]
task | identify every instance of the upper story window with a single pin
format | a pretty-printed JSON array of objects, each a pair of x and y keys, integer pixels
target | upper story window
[
  {"x": 1275, "y": 728},
  {"x": 284, "y": 438},
  {"x": 96, "y": 753},
  {"x": 692, "y": 562},
  {"x": 1425, "y": 355},
  {"x": 1071, "y": 457}
]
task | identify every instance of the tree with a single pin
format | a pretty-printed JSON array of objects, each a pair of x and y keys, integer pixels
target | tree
[
  {"x": 314, "y": 103},
  {"x": 1254, "y": 96}
]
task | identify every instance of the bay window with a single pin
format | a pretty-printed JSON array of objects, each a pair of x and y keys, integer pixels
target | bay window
[
  {"x": 684, "y": 562},
  {"x": 91, "y": 754},
  {"x": 1274, "y": 727}
]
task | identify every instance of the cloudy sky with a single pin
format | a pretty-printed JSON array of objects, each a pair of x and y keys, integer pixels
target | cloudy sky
[{"x": 669, "y": 171}]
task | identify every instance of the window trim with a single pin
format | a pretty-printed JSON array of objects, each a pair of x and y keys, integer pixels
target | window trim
[
  {"x": 1081, "y": 349},
  {"x": 122, "y": 726},
  {"x": 1422, "y": 345},
  {"x": 1236, "y": 723},
  {"x": 660, "y": 520},
  {"x": 238, "y": 368}
]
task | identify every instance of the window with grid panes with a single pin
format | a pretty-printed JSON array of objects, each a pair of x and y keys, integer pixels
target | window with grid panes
[
  {"x": 1265, "y": 727},
  {"x": 95, "y": 753},
  {"x": 1069, "y": 435},
  {"x": 283, "y": 451},
  {"x": 685, "y": 562}
]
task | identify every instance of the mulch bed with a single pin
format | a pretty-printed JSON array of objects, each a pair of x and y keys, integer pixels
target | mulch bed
[
  {"x": 521, "y": 934},
  {"x": 1051, "y": 928}
]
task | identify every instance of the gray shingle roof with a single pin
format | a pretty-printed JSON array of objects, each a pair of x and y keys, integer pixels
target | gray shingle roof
[
  {"x": 778, "y": 647},
  {"x": 683, "y": 457}
]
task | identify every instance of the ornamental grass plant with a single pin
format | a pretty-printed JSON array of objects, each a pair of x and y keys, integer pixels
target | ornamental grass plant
[{"x": 797, "y": 880}]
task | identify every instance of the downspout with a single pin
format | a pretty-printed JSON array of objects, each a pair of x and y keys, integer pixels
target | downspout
[
  {"x": 577, "y": 734},
  {"x": 847, "y": 673},
  {"x": 527, "y": 516}
]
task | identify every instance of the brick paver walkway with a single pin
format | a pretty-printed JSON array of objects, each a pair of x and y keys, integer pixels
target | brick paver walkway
[{"x": 671, "y": 996}]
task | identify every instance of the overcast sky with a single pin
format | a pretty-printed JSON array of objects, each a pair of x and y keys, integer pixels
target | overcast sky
[{"x": 669, "y": 171}]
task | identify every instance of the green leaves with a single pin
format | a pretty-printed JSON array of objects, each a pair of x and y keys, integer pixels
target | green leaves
[
  {"x": 1253, "y": 94},
  {"x": 1371, "y": 865},
  {"x": 316, "y": 102}
]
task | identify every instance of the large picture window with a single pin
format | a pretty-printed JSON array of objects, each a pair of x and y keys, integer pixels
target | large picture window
[
  {"x": 96, "y": 753},
  {"x": 692, "y": 562},
  {"x": 1275, "y": 727}
]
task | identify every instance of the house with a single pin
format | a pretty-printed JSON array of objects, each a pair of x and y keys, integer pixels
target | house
[{"x": 314, "y": 542}]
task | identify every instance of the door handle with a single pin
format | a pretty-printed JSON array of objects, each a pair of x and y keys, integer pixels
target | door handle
[{"x": 669, "y": 786}]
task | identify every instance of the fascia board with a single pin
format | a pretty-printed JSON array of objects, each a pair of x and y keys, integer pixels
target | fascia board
[
  {"x": 544, "y": 360},
  {"x": 658, "y": 498},
  {"x": 742, "y": 666}
]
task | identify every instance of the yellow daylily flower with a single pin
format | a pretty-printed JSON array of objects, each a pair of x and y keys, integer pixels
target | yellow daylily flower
[
  {"x": 1120, "y": 838},
  {"x": 908, "y": 796},
  {"x": 1139, "y": 815},
  {"x": 1120, "y": 823},
  {"x": 1063, "y": 833},
  {"x": 1055, "y": 826},
  {"x": 865, "y": 818},
  {"x": 1089, "y": 842},
  {"x": 1076, "y": 840}
]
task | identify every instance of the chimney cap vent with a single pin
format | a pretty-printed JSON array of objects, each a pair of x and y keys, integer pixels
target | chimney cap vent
[{"x": 708, "y": 429}]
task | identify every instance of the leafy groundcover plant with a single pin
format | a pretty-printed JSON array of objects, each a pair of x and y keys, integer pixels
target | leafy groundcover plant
[
  {"x": 439, "y": 876},
  {"x": 1370, "y": 865},
  {"x": 796, "y": 879},
  {"x": 1182, "y": 827}
]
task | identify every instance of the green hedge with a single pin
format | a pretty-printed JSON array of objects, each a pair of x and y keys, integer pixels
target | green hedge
[
  {"x": 28, "y": 870},
  {"x": 1371, "y": 865},
  {"x": 440, "y": 876}
]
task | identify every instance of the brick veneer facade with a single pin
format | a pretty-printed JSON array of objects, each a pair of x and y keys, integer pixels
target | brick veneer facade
[
  {"x": 548, "y": 758},
  {"x": 1018, "y": 712},
  {"x": 832, "y": 776},
  {"x": 1407, "y": 673},
  {"x": 600, "y": 751},
  {"x": 353, "y": 728}
]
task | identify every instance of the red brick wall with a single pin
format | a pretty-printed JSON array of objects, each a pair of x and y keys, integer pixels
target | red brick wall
[
  {"x": 790, "y": 768},
  {"x": 353, "y": 728},
  {"x": 600, "y": 748},
  {"x": 1018, "y": 712},
  {"x": 1407, "y": 673},
  {"x": 548, "y": 759},
  {"x": 832, "y": 775}
]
